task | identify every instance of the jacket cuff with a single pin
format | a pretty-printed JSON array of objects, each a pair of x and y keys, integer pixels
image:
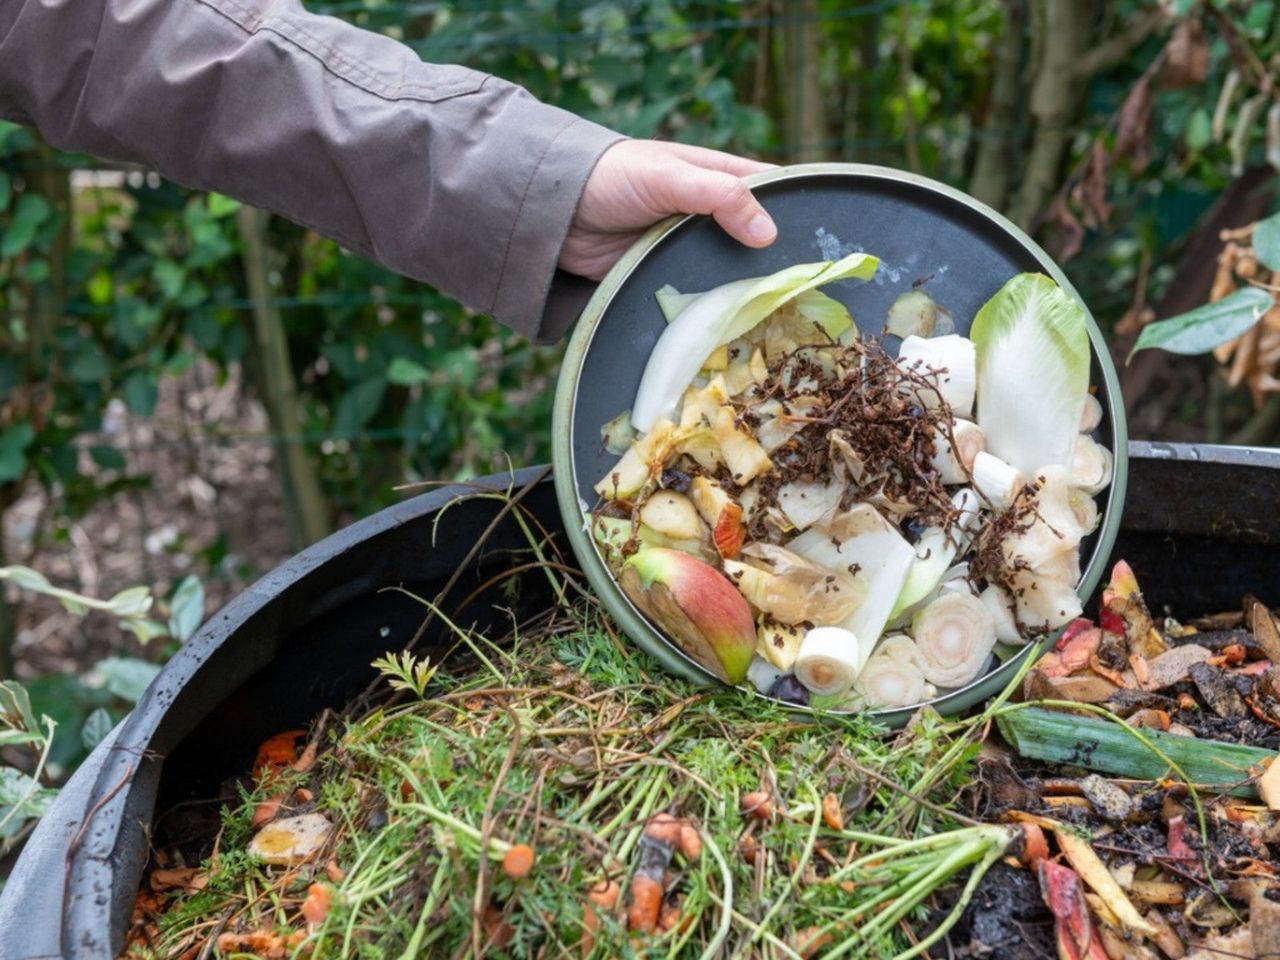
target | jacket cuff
[{"x": 566, "y": 148}]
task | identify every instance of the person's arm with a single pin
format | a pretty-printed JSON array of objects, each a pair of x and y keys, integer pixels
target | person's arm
[{"x": 439, "y": 172}]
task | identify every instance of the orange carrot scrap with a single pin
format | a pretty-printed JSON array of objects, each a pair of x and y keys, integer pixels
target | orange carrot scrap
[
  {"x": 1034, "y": 846},
  {"x": 518, "y": 861},
  {"x": 832, "y": 815},
  {"x": 690, "y": 842},
  {"x": 267, "y": 810},
  {"x": 334, "y": 872},
  {"x": 316, "y": 907},
  {"x": 646, "y": 902},
  {"x": 757, "y": 804},
  {"x": 279, "y": 751},
  {"x": 664, "y": 828}
]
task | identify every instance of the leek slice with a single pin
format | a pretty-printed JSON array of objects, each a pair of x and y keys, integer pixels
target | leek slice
[
  {"x": 721, "y": 315},
  {"x": 863, "y": 537},
  {"x": 1033, "y": 372}
]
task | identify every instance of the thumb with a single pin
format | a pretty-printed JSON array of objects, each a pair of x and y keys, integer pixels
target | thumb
[{"x": 694, "y": 189}]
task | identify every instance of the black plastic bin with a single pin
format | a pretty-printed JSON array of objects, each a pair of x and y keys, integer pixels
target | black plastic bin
[{"x": 1201, "y": 529}]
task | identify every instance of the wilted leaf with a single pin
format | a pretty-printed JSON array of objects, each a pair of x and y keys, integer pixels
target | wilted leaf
[
  {"x": 127, "y": 677},
  {"x": 1186, "y": 55},
  {"x": 96, "y": 727},
  {"x": 1090, "y": 194},
  {"x": 1202, "y": 329},
  {"x": 1072, "y": 231},
  {"x": 187, "y": 609},
  {"x": 1266, "y": 242},
  {"x": 1133, "y": 127}
]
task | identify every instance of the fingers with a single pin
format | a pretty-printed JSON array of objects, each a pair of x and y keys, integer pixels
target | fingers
[
  {"x": 694, "y": 189},
  {"x": 717, "y": 160}
]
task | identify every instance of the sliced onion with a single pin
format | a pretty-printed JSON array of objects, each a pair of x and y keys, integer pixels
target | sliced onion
[{"x": 954, "y": 635}]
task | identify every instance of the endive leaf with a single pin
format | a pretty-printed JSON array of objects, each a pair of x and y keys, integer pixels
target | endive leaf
[
  {"x": 1033, "y": 372},
  {"x": 814, "y": 305},
  {"x": 721, "y": 315}
]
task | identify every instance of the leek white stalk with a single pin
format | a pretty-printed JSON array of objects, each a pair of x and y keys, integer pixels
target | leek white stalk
[
  {"x": 863, "y": 538},
  {"x": 954, "y": 461},
  {"x": 893, "y": 676},
  {"x": 1000, "y": 606},
  {"x": 721, "y": 315},
  {"x": 946, "y": 363},
  {"x": 954, "y": 635},
  {"x": 1091, "y": 416},
  {"x": 935, "y": 550},
  {"x": 1091, "y": 465},
  {"x": 997, "y": 481},
  {"x": 828, "y": 661}
]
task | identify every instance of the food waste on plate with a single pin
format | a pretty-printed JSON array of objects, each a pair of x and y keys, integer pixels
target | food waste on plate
[{"x": 799, "y": 508}]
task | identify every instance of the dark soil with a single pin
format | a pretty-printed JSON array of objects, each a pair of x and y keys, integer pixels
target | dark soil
[{"x": 1006, "y": 920}]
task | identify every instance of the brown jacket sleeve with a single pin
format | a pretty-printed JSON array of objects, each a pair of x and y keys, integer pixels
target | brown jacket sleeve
[{"x": 447, "y": 175}]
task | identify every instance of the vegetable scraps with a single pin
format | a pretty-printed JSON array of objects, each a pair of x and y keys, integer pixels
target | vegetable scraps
[{"x": 797, "y": 508}]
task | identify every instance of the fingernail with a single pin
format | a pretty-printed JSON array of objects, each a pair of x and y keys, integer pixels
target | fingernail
[{"x": 761, "y": 228}]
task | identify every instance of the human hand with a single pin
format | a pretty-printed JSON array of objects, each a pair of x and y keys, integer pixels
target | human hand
[{"x": 636, "y": 183}]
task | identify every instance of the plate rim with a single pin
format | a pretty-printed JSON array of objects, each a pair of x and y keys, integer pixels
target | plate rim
[{"x": 603, "y": 582}]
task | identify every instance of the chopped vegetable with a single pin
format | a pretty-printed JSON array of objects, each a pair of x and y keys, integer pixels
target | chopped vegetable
[
  {"x": 1033, "y": 372},
  {"x": 696, "y": 605},
  {"x": 893, "y": 676},
  {"x": 998, "y": 482},
  {"x": 913, "y": 314},
  {"x": 828, "y": 661},
  {"x": 945, "y": 367},
  {"x": 718, "y": 316},
  {"x": 935, "y": 550},
  {"x": 954, "y": 636},
  {"x": 954, "y": 454}
]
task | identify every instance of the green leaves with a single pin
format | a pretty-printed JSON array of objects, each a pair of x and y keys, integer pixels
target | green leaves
[
  {"x": 186, "y": 610},
  {"x": 126, "y": 677},
  {"x": 14, "y": 442},
  {"x": 1266, "y": 242},
  {"x": 30, "y": 213},
  {"x": 403, "y": 372},
  {"x": 1202, "y": 329}
]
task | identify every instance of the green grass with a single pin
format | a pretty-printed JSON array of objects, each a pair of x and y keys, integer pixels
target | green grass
[{"x": 562, "y": 739}]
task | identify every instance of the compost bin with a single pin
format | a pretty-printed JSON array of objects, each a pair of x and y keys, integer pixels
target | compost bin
[{"x": 1200, "y": 529}]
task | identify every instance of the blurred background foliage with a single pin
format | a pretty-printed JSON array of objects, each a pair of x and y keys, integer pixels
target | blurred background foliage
[{"x": 155, "y": 339}]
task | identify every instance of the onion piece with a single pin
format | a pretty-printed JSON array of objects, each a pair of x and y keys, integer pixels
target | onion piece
[
  {"x": 913, "y": 314},
  {"x": 954, "y": 635},
  {"x": 807, "y": 503},
  {"x": 793, "y": 589},
  {"x": 1091, "y": 465},
  {"x": 947, "y": 363},
  {"x": 1044, "y": 602},
  {"x": 828, "y": 661},
  {"x": 954, "y": 461},
  {"x": 893, "y": 676},
  {"x": 998, "y": 482}
]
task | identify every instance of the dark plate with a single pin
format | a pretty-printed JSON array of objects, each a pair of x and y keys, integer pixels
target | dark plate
[{"x": 921, "y": 231}]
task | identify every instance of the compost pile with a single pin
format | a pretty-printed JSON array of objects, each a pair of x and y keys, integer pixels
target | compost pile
[{"x": 551, "y": 796}]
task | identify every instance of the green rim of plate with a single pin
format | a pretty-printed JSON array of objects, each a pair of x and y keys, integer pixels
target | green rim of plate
[{"x": 615, "y": 601}]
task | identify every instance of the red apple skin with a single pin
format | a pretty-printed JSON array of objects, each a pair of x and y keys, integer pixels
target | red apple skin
[{"x": 697, "y": 605}]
